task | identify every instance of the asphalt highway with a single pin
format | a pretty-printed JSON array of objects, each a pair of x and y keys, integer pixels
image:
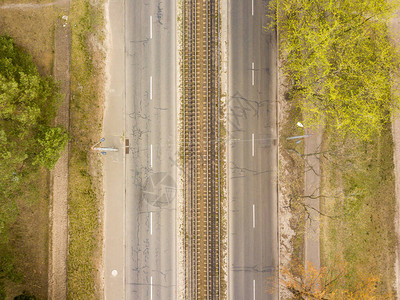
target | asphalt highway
[
  {"x": 141, "y": 118},
  {"x": 252, "y": 156},
  {"x": 151, "y": 122}
]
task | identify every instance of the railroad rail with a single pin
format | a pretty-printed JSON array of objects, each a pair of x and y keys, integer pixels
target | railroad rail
[{"x": 202, "y": 149}]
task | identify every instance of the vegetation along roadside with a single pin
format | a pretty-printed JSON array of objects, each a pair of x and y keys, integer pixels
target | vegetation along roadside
[
  {"x": 338, "y": 64},
  {"x": 85, "y": 181},
  {"x": 29, "y": 145}
]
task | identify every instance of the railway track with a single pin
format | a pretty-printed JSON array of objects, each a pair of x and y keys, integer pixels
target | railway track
[{"x": 202, "y": 150}]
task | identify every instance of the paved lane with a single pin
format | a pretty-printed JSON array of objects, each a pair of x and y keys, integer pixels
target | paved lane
[
  {"x": 114, "y": 164},
  {"x": 151, "y": 163},
  {"x": 253, "y": 241}
]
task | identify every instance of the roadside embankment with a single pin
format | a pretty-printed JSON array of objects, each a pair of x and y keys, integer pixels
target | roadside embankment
[
  {"x": 349, "y": 94},
  {"x": 25, "y": 254},
  {"x": 85, "y": 203}
]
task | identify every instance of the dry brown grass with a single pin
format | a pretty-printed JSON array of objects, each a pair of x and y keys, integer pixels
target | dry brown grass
[
  {"x": 33, "y": 30},
  {"x": 291, "y": 176},
  {"x": 29, "y": 238},
  {"x": 358, "y": 201},
  {"x": 25, "y": 1},
  {"x": 86, "y": 110}
]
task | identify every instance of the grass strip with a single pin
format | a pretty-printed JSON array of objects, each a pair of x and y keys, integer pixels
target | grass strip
[
  {"x": 85, "y": 193},
  {"x": 359, "y": 183}
]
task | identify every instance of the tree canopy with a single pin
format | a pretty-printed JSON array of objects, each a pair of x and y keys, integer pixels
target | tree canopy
[
  {"x": 339, "y": 60},
  {"x": 28, "y": 140},
  {"x": 28, "y": 104}
]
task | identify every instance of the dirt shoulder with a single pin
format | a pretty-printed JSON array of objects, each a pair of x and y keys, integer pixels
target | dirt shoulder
[
  {"x": 59, "y": 193},
  {"x": 291, "y": 182}
]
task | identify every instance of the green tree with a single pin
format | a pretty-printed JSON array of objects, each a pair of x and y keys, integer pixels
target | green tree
[
  {"x": 28, "y": 140},
  {"x": 339, "y": 60},
  {"x": 28, "y": 105},
  {"x": 52, "y": 141}
]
